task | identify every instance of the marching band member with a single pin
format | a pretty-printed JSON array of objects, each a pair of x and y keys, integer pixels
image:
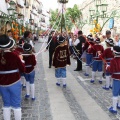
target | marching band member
[
  {"x": 61, "y": 58},
  {"x": 97, "y": 64},
  {"x": 30, "y": 63},
  {"x": 108, "y": 55},
  {"x": 10, "y": 85},
  {"x": 19, "y": 48},
  {"x": 114, "y": 69},
  {"x": 89, "y": 56}
]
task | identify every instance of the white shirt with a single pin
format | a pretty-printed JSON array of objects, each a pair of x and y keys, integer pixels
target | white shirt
[
  {"x": 31, "y": 43},
  {"x": 76, "y": 42},
  {"x": 117, "y": 43},
  {"x": 103, "y": 44},
  {"x": 70, "y": 41}
]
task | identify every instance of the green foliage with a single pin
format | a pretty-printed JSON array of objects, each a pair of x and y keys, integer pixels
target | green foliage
[{"x": 69, "y": 15}]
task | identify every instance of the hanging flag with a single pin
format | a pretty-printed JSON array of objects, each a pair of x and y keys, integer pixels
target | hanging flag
[{"x": 111, "y": 23}]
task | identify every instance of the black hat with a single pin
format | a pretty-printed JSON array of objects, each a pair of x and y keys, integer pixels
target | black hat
[
  {"x": 26, "y": 34},
  {"x": 6, "y": 42},
  {"x": 97, "y": 40},
  {"x": 27, "y": 47},
  {"x": 61, "y": 39},
  {"x": 21, "y": 41},
  {"x": 110, "y": 42},
  {"x": 80, "y": 32},
  {"x": 116, "y": 50},
  {"x": 89, "y": 37}
]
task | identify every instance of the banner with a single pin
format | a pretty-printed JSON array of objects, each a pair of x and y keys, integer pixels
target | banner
[{"x": 111, "y": 23}]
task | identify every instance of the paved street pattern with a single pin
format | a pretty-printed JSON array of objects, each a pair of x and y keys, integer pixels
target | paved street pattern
[{"x": 81, "y": 100}]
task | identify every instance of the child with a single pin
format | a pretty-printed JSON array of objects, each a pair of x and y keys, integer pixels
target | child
[
  {"x": 114, "y": 69},
  {"x": 108, "y": 55},
  {"x": 30, "y": 63},
  {"x": 61, "y": 58},
  {"x": 97, "y": 64},
  {"x": 89, "y": 56},
  {"x": 10, "y": 85},
  {"x": 19, "y": 48}
]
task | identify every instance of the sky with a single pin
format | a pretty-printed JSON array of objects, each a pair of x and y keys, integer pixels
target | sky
[{"x": 52, "y": 4}]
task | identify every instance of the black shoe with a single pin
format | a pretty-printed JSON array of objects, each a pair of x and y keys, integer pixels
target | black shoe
[
  {"x": 103, "y": 75},
  {"x": 49, "y": 66},
  {"x": 76, "y": 70}
]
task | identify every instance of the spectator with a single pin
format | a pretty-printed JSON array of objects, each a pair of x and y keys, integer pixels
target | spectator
[
  {"x": 51, "y": 45},
  {"x": 28, "y": 39},
  {"x": 117, "y": 40},
  {"x": 9, "y": 33},
  {"x": 79, "y": 44}
]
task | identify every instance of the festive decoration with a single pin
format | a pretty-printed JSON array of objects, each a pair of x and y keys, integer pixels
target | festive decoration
[
  {"x": 96, "y": 29},
  {"x": 15, "y": 30}
]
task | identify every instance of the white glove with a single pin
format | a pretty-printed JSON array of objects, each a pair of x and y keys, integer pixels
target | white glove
[{"x": 107, "y": 66}]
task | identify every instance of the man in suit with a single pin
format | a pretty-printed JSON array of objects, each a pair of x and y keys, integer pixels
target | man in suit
[
  {"x": 82, "y": 40},
  {"x": 51, "y": 45}
]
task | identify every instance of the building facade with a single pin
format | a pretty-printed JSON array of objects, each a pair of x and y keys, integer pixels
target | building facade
[
  {"x": 30, "y": 9},
  {"x": 90, "y": 4}
]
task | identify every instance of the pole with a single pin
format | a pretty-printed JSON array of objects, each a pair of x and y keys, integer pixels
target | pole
[
  {"x": 62, "y": 19},
  {"x": 97, "y": 15}
]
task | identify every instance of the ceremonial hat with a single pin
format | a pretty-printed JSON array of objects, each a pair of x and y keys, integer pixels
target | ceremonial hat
[
  {"x": 116, "y": 50},
  {"x": 27, "y": 47},
  {"x": 6, "y": 42},
  {"x": 89, "y": 37},
  {"x": 61, "y": 39},
  {"x": 97, "y": 40},
  {"x": 110, "y": 42}
]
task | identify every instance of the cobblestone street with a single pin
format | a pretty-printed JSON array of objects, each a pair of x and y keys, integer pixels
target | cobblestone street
[{"x": 79, "y": 101}]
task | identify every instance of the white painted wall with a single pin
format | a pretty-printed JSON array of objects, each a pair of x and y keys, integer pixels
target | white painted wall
[{"x": 3, "y": 6}]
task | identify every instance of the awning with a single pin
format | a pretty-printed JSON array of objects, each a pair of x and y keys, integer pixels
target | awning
[
  {"x": 32, "y": 16},
  {"x": 20, "y": 3},
  {"x": 34, "y": 12}
]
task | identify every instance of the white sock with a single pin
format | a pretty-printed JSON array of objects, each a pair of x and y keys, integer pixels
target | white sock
[
  {"x": 28, "y": 88},
  {"x": 107, "y": 81},
  {"x": 111, "y": 81},
  {"x": 23, "y": 81},
  {"x": 58, "y": 80},
  {"x": 87, "y": 69},
  {"x": 119, "y": 101},
  {"x": 115, "y": 99},
  {"x": 6, "y": 113},
  {"x": 32, "y": 86},
  {"x": 100, "y": 75},
  {"x": 93, "y": 75},
  {"x": 17, "y": 114},
  {"x": 64, "y": 81}
]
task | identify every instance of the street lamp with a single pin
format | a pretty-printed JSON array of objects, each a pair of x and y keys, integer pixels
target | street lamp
[
  {"x": 104, "y": 9},
  {"x": 96, "y": 13},
  {"x": 12, "y": 4},
  {"x": 97, "y": 2},
  {"x": 15, "y": 14},
  {"x": 63, "y": 1},
  {"x": 62, "y": 19},
  {"x": 11, "y": 11}
]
